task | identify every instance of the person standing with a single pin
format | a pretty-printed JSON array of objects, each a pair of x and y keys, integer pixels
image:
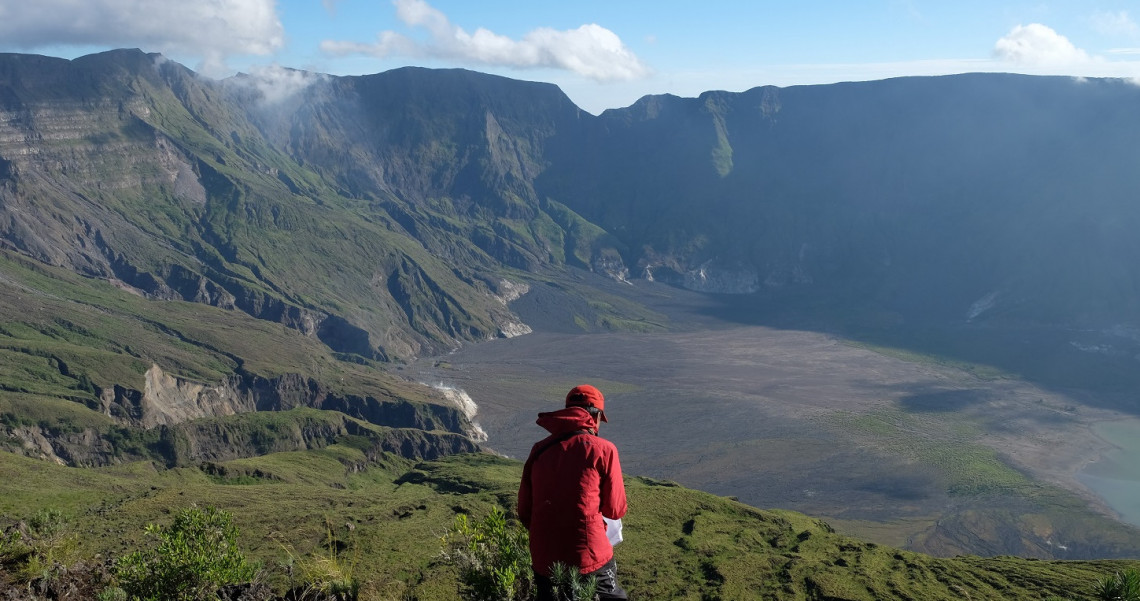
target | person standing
[{"x": 571, "y": 481}]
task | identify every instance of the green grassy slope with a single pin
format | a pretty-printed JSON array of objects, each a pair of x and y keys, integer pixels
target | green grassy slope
[
  {"x": 388, "y": 517},
  {"x": 62, "y": 334},
  {"x": 342, "y": 214},
  {"x": 66, "y": 336},
  {"x": 75, "y": 351}
]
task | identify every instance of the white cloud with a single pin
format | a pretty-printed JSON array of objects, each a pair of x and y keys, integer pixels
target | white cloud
[
  {"x": 211, "y": 29},
  {"x": 277, "y": 84},
  {"x": 1036, "y": 44},
  {"x": 590, "y": 50},
  {"x": 1115, "y": 24}
]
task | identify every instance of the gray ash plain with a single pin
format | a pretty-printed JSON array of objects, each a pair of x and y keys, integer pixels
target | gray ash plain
[{"x": 781, "y": 417}]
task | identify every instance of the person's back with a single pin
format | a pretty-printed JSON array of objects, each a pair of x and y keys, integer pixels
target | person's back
[{"x": 571, "y": 480}]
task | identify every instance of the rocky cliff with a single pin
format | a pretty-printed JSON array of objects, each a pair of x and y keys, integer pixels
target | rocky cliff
[
  {"x": 201, "y": 442},
  {"x": 379, "y": 213},
  {"x": 131, "y": 168},
  {"x": 184, "y": 423},
  {"x": 918, "y": 196},
  {"x": 167, "y": 400}
]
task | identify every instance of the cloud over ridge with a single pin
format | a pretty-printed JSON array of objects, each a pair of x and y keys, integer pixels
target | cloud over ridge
[
  {"x": 275, "y": 84},
  {"x": 213, "y": 29},
  {"x": 590, "y": 50},
  {"x": 1037, "y": 44}
]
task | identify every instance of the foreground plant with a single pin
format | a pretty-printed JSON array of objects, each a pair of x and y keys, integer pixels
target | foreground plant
[
  {"x": 570, "y": 585},
  {"x": 326, "y": 574},
  {"x": 195, "y": 556},
  {"x": 9, "y": 544},
  {"x": 493, "y": 558},
  {"x": 46, "y": 545},
  {"x": 1121, "y": 586}
]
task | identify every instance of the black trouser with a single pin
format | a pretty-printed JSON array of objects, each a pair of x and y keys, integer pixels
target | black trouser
[{"x": 608, "y": 587}]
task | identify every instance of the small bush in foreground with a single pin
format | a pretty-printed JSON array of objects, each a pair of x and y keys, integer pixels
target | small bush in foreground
[
  {"x": 195, "y": 556},
  {"x": 326, "y": 575},
  {"x": 46, "y": 545},
  {"x": 11, "y": 546},
  {"x": 493, "y": 558},
  {"x": 1121, "y": 586},
  {"x": 570, "y": 585}
]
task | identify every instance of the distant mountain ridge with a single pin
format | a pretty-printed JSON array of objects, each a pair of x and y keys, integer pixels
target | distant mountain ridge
[
  {"x": 921, "y": 195},
  {"x": 959, "y": 198}
]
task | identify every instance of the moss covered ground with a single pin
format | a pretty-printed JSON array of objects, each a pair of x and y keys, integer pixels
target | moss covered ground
[{"x": 384, "y": 523}]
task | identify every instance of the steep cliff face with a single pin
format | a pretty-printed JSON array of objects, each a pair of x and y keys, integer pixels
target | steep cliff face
[
  {"x": 708, "y": 276},
  {"x": 180, "y": 422},
  {"x": 208, "y": 440},
  {"x": 167, "y": 400},
  {"x": 183, "y": 422},
  {"x": 129, "y": 167},
  {"x": 85, "y": 448},
  {"x": 377, "y": 213},
  {"x": 422, "y": 135},
  {"x": 915, "y": 195}
]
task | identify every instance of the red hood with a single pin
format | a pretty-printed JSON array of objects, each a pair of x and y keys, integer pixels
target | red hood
[{"x": 566, "y": 420}]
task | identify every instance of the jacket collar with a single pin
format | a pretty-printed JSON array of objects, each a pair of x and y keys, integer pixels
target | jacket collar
[{"x": 566, "y": 420}]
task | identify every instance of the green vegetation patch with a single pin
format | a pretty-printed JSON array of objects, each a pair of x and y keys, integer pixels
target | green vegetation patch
[
  {"x": 49, "y": 412},
  {"x": 385, "y": 521},
  {"x": 122, "y": 335},
  {"x": 945, "y": 441},
  {"x": 1031, "y": 515}
]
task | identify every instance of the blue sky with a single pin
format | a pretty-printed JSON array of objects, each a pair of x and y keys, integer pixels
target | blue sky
[{"x": 603, "y": 54}]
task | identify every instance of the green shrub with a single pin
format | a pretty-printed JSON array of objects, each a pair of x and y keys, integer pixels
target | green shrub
[
  {"x": 327, "y": 574},
  {"x": 113, "y": 593},
  {"x": 195, "y": 556},
  {"x": 492, "y": 556},
  {"x": 11, "y": 546},
  {"x": 48, "y": 545},
  {"x": 570, "y": 585},
  {"x": 1121, "y": 586}
]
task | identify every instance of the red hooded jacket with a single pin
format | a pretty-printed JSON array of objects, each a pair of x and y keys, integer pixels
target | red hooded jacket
[{"x": 565, "y": 491}]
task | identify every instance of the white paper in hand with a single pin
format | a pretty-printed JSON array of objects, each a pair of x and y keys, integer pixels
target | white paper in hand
[{"x": 613, "y": 530}]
